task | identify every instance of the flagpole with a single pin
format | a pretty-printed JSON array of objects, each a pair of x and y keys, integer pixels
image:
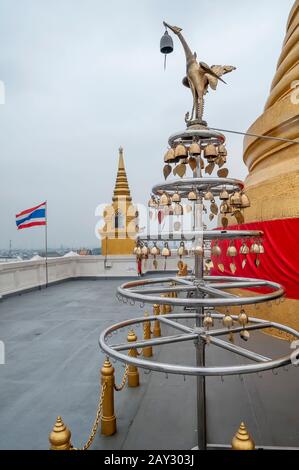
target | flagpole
[{"x": 46, "y": 241}]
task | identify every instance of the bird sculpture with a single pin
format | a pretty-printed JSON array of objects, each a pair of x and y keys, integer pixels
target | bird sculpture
[{"x": 199, "y": 77}]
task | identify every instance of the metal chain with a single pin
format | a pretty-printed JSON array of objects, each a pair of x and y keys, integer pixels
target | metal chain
[
  {"x": 96, "y": 421},
  {"x": 119, "y": 388}
]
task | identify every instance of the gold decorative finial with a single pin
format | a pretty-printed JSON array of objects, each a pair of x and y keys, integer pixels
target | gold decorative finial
[
  {"x": 121, "y": 189},
  {"x": 242, "y": 439},
  {"x": 60, "y": 437}
]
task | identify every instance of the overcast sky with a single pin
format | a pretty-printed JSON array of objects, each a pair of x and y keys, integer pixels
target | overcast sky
[{"x": 83, "y": 77}]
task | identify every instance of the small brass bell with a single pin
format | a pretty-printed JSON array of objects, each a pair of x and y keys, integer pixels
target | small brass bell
[
  {"x": 216, "y": 250},
  {"x": 208, "y": 322},
  {"x": 228, "y": 321},
  {"x": 155, "y": 251},
  {"x": 261, "y": 248},
  {"x": 222, "y": 150},
  {"x": 210, "y": 152},
  {"x": 164, "y": 200},
  {"x": 243, "y": 318},
  {"x": 224, "y": 196},
  {"x": 232, "y": 251},
  {"x": 180, "y": 152},
  {"x": 169, "y": 156},
  {"x": 224, "y": 208},
  {"x": 176, "y": 197},
  {"x": 135, "y": 250},
  {"x": 235, "y": 199},
  {"x": 182, "y": 250},
  {"x": 208, "y": 196},
  {"x": 178, "y": 209},
  {"x": 138, "y": 251},
  {"x": 152, "y": 202},
  {"x": 192, "y": 196},
  {"x": 244, "y": 250},
  {"x": 255, "y": 248},
  {"x": 244, "y": 201},
  {"x": 198, "y": 250},
  {"x": 145, "y": 250},
  {"x": 194, "y": 149},
  {"x": 166, "y": 251}
]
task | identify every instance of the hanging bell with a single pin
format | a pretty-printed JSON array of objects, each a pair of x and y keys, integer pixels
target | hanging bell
[
  {"x": 216, "y": 250},
  {"x": 169, "y": 156},
  {"x": 232, "y": 251},
  {"x": 165, "y": 200},
  {"x": 222, "y": 150},
  {"x": 224, "y": 208},
  {"x": 228, "y": 321},
  {"x": 208, "y": 196},
  {"x": 244, "y": 250},
  {"x": 166, "y": 43},
  {"x": 180, "y": 152},
  {"x": 192, "y": 196},
  {"x": 255, "y": 248},
  {"x": 243, "y": 318},
  {"x": 138, "y": 251},
  {"x": 198, "y": 250},
  {"x": 236, "y": 199},
  {"x": 145, "y": 250},
  {"x": 176, "y": 197},
  {"x": 244, "y": 201},
  {"x": 224, "y": 196},
  {"x": 152, "y": 202},
  {"x": 208, "y": 322},
  {"x": 261, "y": 248},
  {"x": 194, "y": 149},
  {"x": 210, "y": 152},
  {"x": 166, "y": 251},
  {"x": 182, "y": 250},
  {"x": 155, "y": 251}
]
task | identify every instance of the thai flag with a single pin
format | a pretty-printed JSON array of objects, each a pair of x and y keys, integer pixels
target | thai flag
[{"x": 32, "y": 217}]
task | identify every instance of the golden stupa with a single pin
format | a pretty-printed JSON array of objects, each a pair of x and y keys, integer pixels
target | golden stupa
[
  {"x": 118, "y": 233},
  {"x": 273, "y": 180}
]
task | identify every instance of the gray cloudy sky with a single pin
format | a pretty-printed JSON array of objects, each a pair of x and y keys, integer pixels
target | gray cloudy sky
[{"x": 83, "y": 77}]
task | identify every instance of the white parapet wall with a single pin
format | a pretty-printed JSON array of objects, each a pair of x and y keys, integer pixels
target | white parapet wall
[{"x": 25, "y": 275}]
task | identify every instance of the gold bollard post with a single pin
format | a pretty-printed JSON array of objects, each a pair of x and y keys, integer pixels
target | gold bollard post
[
  {"x": 148, "y": 350},
  {"x": 242, "y": 439},
  {"x": 60, "y": 436},
  {"x": 108, "y": 419},
  {"x": 133, "y": 374},
  {"x": 157, "y": 327}
]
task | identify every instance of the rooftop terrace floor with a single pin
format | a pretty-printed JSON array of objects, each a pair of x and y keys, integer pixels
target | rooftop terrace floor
[{"x": 52, "y": 368}]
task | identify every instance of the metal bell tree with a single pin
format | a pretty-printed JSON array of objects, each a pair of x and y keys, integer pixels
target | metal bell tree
[{"x": 196, "y": 294}]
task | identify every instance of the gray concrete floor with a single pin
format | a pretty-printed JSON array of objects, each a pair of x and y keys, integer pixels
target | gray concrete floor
[{"x": 52, "y": 368}]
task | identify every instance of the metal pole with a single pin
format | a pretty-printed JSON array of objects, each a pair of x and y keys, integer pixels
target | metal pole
[
  {"x": 199, "y": 344},
  {"x": 46, "y": 241}
]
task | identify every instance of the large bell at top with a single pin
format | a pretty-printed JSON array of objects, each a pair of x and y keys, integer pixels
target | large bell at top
[{"x": 166, "y": 43}]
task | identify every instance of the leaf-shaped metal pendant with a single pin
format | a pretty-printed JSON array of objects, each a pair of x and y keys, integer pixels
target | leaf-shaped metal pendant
[
  {"x": 221, "y": 267},
  {"x": 209, "y": 265},
  {"x": 233, "y": 267},
  {"x": 214, "y": 208},
  {"x": 192, "y": 163},
  {"x": 211, "y": 217},
  {"x": 222, "y": 173},
  {"x": 166, "y": 171},
  {"x": 244, "y": 263},
  {"x": 187, "y": 209},
  {"x": 209, "y": 168},
  {"x": 202, "y": 164},
  {"x": 257, "y": 262},
  {"x": 181, "y": 169},
  {"x": 239, "y": 217},
  {"x": 177, "y": 226},
  {"x": 224, "y": 222},
  {"x": 174, "y": 170},
  {"x": 220, "y": 161},
  {"x": 155, "y": 263}
]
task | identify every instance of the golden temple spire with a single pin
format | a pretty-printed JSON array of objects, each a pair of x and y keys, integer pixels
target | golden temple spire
[
  {"x": 121, "y": 188},
  {"x": 274, "y": 165}
]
